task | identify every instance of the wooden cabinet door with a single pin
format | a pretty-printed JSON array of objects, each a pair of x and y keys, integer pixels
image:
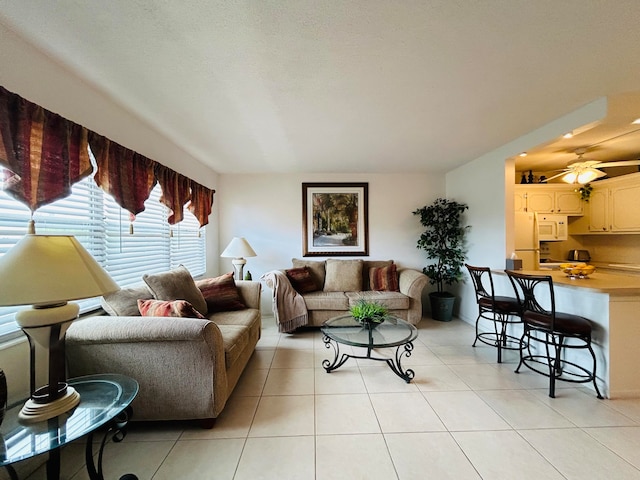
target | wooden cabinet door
[
  {"x": 541, "y": 202},
  {"x": 520, "y": 201},
  {"x": 625, "y": 208},
  {"x": 568, "y": 203},
  {"x": 598, "y": 210}
]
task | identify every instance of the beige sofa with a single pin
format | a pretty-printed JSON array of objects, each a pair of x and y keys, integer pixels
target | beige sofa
[
  {"x": 340, "y": 283},
  {"x": 186, "y": 367}
]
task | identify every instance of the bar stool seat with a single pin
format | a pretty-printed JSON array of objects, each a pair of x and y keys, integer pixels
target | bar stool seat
[
  {"x": 553, "y": 334},
  {"x": 502, "y": 311}
]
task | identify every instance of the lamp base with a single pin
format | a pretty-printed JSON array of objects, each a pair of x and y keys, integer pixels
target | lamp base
[{"x": 33, "y": 412}]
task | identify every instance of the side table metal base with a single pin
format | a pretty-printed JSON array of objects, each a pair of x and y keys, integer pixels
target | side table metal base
[
  {"x": 393, "y": 363},
  {"x": 116, "y": 431}
]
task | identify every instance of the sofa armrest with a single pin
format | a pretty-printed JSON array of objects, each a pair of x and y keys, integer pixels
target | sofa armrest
[
  {"x": 250, "y": 293},
  {"x": 163, "y": 354},
  {"x": 412, "y": 283}
]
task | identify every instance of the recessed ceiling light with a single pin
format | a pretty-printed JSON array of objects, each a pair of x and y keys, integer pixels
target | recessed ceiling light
[
  {"x": 636, "y": 121},
  {"x": 570, "y": 134},
  {"x": 523, "y": 154}
]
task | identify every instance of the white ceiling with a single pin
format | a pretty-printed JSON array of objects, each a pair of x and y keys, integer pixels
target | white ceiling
[{"x": 337, "y": 85}]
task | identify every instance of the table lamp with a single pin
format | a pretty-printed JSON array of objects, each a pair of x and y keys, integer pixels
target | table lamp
[
  {"x": 237, "y": 249},
  {"x": 47, "y": 271}
]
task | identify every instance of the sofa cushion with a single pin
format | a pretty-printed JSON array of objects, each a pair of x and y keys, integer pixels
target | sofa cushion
[
  {"x": 317, "y": 269},
  {"x": 384, "y": 279},
  {"x": 247, "y": 317},
  {"x": 392, "y": 300},
  {"x": 326, "y": 301},
  {"x": 167, "y": 308},
  {"x": 369, "y": 264},
  {"x": 176, "y": 284},
  {"x": 301, "y": 279},
  {"x": 124, "y": 302},
  {"x": 343, "y": 276},
  {"x": 221, "y": 293},
  {"x": 235, "y": 339}
]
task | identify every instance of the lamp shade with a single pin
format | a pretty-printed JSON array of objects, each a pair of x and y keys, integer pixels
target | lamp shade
[
  {"x": 238, "y": 248},
  {"x": 50, "y": 269}
]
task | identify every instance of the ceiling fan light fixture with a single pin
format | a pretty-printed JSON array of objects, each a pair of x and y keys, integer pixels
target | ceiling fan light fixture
[
  {"x": 636, "y": 121},
  {"x": 583, "y": 176}
]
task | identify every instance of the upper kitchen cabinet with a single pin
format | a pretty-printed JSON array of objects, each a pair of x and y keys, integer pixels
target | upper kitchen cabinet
[
  {"x": 542, "y": 198},
  {"x": 612, "y": 207}
]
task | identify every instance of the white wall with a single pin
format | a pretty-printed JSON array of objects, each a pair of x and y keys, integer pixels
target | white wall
[
  {"x": 267, "y": 210},
  {"x": 486, "y": 185}
]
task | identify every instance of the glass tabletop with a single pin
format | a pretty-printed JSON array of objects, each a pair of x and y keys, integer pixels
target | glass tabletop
[
  {"x": 102, "y": 397},
  {"x": 392, "y": 332}
]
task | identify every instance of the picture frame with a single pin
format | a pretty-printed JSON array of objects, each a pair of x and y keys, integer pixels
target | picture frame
[{"x": 335, "y": 219}]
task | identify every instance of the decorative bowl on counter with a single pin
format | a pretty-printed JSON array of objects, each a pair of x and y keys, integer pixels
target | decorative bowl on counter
[{"x": 577, "y": 270}]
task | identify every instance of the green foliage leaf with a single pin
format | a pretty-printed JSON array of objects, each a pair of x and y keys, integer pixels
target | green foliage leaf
[{"x": 443, "y": 241}]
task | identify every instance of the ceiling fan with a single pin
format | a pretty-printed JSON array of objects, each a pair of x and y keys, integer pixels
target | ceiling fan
[{"x": 584, "y": 171}]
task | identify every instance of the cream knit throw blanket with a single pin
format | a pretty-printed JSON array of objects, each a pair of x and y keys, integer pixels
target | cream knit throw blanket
[{"x": 288, "y": 305}]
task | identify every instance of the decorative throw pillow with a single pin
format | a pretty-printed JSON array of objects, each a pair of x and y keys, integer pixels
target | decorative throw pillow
[
  {"x": 384, "y": 279},
  {"x": 302, "y": 280},
  {"x": 368, "y": 265},
  {"x": 124, "y": 302},
  {"x": 177, "y": 284},
  {"x": 221, "y": 293},
  {"x": 343, "y": 276},
  {"x": 166, "y": 308},
  {"x": 316, "y": 268}
]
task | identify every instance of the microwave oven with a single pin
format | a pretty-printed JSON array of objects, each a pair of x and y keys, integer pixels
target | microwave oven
[{"x": 552, "y": 228}]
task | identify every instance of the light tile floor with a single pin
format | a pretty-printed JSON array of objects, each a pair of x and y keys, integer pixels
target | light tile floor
[{"x": 463, "y": 417}]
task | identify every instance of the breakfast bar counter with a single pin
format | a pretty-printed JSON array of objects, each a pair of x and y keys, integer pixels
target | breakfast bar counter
[
  {"x": 611, "y": 283},
  {"x": 611, "y": 302}
]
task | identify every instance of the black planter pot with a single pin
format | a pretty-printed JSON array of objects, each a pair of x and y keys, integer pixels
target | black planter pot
[{"x": 442, "y": 306}]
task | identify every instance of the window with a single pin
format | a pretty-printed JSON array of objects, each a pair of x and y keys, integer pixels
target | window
[{"x": 103, "y": 228}]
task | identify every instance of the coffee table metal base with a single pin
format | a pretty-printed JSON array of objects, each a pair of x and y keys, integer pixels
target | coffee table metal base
[{"x": 395, "y": 363}]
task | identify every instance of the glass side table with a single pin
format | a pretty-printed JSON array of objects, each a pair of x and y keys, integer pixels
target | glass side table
[
  {"x": 393, "y": 332},
  {"x": 104, "y": 401}
]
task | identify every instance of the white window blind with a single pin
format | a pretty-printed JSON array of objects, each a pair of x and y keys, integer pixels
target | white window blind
[{"x": 102, "y": 227}]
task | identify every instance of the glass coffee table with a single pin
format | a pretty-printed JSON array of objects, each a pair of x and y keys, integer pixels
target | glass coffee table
[
  {"x": 393, "y": 332},
  {"x": 104, "y": 402}
]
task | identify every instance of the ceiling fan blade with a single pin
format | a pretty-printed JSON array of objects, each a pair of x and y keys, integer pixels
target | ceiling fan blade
[
  {"x": 564, "y": 172},
  {"x": 623, "y": 163}
]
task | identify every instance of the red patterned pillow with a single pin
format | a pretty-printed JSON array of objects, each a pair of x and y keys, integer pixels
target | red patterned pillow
[
  {"x": 384, "y": 279},
  {"x": 221, "y": 293},
  {"x": 302, "y": 280},
  {"x": 167, "y": 308}
]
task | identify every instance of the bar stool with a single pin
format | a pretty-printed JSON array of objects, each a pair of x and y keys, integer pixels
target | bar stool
[
  {"x": 501, "y": 311},
  {"x": 553, "y": 331}
]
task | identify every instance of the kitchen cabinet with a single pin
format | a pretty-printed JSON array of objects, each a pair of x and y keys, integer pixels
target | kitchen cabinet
[
  {"x": 599, "y": 210},
  {"x": 612, "y": 207},
  {"x": 624, "y": 200},
  {"x": 542, "y": 198}
]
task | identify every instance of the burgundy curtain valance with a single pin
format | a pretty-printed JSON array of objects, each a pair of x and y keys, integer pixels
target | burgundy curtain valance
[
  {"x": 114, "y": 163},
  {"x": 45, "y": 154}
]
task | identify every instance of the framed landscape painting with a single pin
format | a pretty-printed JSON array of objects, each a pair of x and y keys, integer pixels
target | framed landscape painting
[{"x": 335, "y": 219}]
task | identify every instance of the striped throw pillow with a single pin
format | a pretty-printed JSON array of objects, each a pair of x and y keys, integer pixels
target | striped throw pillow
[
  {"x": 384, "y": 279},
  {"x": 167, "y": 308}
]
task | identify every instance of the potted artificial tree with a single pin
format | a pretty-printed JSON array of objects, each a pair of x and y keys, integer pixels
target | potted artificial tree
[{"x": 443, "y": 241}]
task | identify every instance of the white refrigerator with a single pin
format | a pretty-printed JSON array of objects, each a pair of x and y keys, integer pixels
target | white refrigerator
[{"x": 527, "y": 246}]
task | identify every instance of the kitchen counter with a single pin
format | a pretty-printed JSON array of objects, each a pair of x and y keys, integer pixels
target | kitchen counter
[{"x": 612, "y": 283}]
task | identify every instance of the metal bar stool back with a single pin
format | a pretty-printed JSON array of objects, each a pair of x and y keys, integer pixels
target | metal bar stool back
[
  {"x": 499, "y": 310},
  {"x": 550, "y": 335}
]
